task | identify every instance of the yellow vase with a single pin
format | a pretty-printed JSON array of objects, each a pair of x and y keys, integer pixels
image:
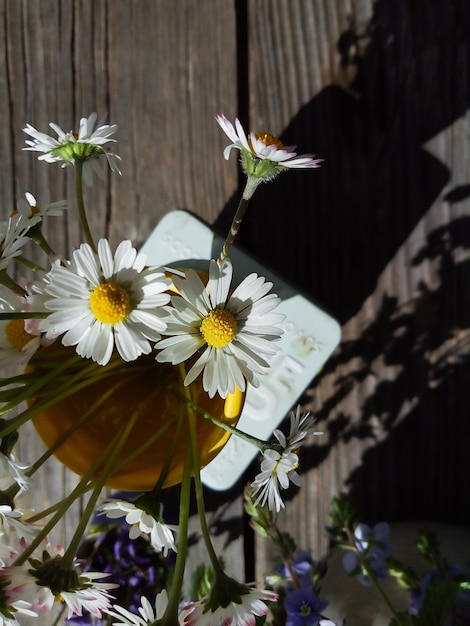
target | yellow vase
[{"x": 150, "y": 391}]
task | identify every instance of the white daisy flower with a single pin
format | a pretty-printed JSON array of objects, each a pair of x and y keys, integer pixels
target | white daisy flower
[
  {"x": 300, "y": 427},
  {"x": 94, "y": 597},
  {"x": 92, "y": 140},
  {"x": 13, "y": 237},
  {"x": 8, "y": 554},
  {"x": 11, "y": 471},
  {"x": 161, "y": 535},
  {"x": 263, "y": 155},
  {"x": 30, "y": 206},
  {"x": 17, "y": 345},
  {"x": 9, "y": 612},
  {"x": 279, "y": 465},
  {"x": 89, "y": 595},
  {"x": 147, "y": 614},
  {"x": 11, "y": 603},
  {"x": 10, "y": 520},
  {"x": 100, "y": 302},
  {"x": 234, "y": 332},
  {"x": 277, "y": 469},
  {"x": 241, "y": 611}
]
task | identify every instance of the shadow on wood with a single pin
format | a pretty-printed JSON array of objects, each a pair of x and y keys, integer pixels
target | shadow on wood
[{"x": 333, "y": 231}]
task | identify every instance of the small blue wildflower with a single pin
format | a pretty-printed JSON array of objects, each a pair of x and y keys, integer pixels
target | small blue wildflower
[
  {"x": 301, "y": 565},
  {"x": 461, "y": 606},
  {"x": 303, "y": 608},
  {"x": 133, "y": 564},
  {"x": 417, "y": 597},
  {"x": 371, "y": 542}
]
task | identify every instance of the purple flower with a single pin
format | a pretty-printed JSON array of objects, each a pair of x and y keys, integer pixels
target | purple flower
[
  {"x": 84, "y": 620},
  {"x": 303, "y": 608},
  {"x": 417, "y": 597},
  {"x": 461, "y": 606},
  {"x": 301, "y": 565},
  {"x": 371, "y": 543},
  {"x": 133, "y": 564}
]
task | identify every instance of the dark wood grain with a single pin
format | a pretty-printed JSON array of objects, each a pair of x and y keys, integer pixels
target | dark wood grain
[
  {"x": 162, "y": 71},
  {"x": 378, "y": 236},
  {"x": 363, "y": 87}
]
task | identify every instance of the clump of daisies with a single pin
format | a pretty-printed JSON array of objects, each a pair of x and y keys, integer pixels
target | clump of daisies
[{"x": 95, "y": 310}]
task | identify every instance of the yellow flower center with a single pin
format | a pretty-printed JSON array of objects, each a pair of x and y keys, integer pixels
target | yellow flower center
[
  {"x": 219, "y": 328},
  {"x": 305, "y": 610},
  {"x": 34, "y": 210},
  {"x": 16, "y": 334},
  {"x": 110, "y": 303},
  {"x": 270, "y": 140}
]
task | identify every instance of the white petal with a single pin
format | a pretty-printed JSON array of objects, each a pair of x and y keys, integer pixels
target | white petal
[{"x": 106, "y": 258}]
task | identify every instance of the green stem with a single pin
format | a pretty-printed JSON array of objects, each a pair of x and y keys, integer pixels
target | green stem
[
  {"x": 82, "y": 487},
  {"x": 8, "y": 281},
  {"x": 135, "y": 453},
  {"x": 36, "y": 235},
  {"x": 384, "y": 596},
  {"x": 259, "y": 443},
  {"x": 28, "y": 393},
  {"x": 155, "y": 491},
  {"x": 58, "y": 620},
  {"x": 24, "y": 315},
  {"x": 250, "y": 188},
  {"x": 30, "y": 264},
  {"x": 66, "y": 434},
  {"x": 201, "y": 509},
  {"x": 71, "y": 384},
  {"x": 372, "y": 576},
  {"x": 171, "y": 613},
  {"x": 81, "y": 205},
  {"x": 292, "y": 574},
  {"x": 114, "y": 448},
  {"x": 53, "y": 508}
]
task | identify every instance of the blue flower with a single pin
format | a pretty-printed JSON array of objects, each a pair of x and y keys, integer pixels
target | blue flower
[
  {"x": 133, "y": 564},
  {"x": 371, "y": 543},
  {"x": 303, "y": 608},
  {"x": 461, "y": 605},
  {"x": 301, "y": 565}
]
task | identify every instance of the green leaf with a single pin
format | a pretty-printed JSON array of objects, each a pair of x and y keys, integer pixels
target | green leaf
[
  {"x": 428, "y": 547},
  {"x": 286, "y": 544},
  {"x": 7, "y": 443},
  {"x": 343, "y": 516},
  {"x": 202, "y": 581},
  {"x": 439, "y": 598},
  {"x": 405, "y": 576}
]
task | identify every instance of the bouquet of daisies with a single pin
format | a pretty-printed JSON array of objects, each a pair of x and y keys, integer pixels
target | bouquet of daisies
[{"x": 70, "y": 331}]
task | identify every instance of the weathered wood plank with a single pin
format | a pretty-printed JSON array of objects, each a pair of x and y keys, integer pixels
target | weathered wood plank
[
  {"x": 367, "y": 242},
  {"x": 162, "y": 70},
  {"x": 171, "y": 70},
  {"x": 294, "y": 58},
  {"x": 378, "y": 235}
]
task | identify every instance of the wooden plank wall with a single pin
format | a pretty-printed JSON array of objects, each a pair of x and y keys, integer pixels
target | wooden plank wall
[{"x": 378, "y": 235}]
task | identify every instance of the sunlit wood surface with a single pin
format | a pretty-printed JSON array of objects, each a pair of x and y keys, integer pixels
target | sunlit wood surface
[{"x": 378, "y": 236}]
